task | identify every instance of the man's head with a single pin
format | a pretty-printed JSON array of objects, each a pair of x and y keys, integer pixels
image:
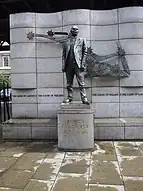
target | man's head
[{"x": 74, "y": 30}]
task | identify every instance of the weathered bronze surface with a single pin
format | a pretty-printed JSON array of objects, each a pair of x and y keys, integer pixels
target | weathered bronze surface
[
  {"x": 97, "y": 65},
  {"x": 74, "y": 58}
]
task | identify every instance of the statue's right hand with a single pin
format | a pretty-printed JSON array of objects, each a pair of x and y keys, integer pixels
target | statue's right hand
[
  {"x": 50, "y": 33},
  {"x": 30, "y": 35}
]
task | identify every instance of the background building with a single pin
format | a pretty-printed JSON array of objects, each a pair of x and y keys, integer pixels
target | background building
[{"x": 5, "y": 62}]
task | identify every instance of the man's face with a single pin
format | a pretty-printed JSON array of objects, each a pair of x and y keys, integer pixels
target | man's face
[{"x": 74, "y": 31}]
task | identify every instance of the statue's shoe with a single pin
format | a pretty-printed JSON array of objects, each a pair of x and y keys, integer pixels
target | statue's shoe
[
  {"x": 67, "y": 100},
  {"x": 85, "y": 101}
]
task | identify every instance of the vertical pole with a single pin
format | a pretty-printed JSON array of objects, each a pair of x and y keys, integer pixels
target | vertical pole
[
  {"x": 7, "y": 103},
  {"x": 0, "y": 109},
  {"x": 4, "y": 99}
]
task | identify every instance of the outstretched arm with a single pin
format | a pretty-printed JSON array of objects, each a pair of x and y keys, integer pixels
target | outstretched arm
[
  {"x": 50, "y": 35},
  {"x": 31, "y": 35}
]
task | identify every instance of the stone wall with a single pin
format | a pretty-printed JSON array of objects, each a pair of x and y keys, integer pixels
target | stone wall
[{"x": 39, "y": 85}]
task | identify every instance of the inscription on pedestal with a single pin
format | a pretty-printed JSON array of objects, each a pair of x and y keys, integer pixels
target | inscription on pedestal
[{"x": 76, "y": 126}]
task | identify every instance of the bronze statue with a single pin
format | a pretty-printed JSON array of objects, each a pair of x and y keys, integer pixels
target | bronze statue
[
  {"x": 74, "y": 56},
  {"x": 77, "y": 58}
]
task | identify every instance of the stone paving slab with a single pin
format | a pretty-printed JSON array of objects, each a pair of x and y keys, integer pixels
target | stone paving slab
[
  {"x": 9, "y": 189},
  {"x": 38, "y": 185},
  {"x": 39, "y": 166},
  {"x": 104, "y": 151},
  {"x": 70, "y": 184},
  {"x": 105, "y": 172},
  {"x": 100, "y": 187},
  {"x": 29, "y": 161},
  {"x": 133, "y": 184},
  {"x": 15, "y": 179}
]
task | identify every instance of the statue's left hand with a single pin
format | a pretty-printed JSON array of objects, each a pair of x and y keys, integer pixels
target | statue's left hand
[
  {"x": 30, "y": 35},
  {"x": 121, "y": 52}
]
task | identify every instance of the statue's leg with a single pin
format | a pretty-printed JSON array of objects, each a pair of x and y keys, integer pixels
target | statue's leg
[
  {"x": 70, "y": 77},
  {"x": 81, "y": 83}
]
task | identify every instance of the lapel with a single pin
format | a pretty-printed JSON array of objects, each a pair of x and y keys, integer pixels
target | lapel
[
  {"x": 77, "y": 42},
  {"x": 68, "y": 46}
]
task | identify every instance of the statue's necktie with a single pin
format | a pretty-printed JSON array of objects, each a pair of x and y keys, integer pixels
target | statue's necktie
[{"x": 72, "y": 49}]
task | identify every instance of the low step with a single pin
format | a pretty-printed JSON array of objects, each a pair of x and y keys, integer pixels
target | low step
[
  {"x": 20, "y": 129},
  {"x": 46, "y": 129}
]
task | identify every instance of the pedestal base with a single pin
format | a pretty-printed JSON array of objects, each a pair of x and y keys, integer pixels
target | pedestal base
[{"x": 75, "y": 127}]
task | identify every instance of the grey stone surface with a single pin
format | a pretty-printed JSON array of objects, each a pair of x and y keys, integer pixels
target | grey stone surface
[
  {"x": 134, "y": 80},
  {"x": 96, "y": 133},
  {"x": 109, "y": 32},
  {"x": 24, "y": 110},
  {"x": 19, "y": 35},
  {"x": 50, "y": 80},
  {"x": 104, "y": 47},
  {"x": 23, "y": 65},
  {"x": 23, "y": 81},
  {"x": 75, "y": 83},
  {"x": 44, "y": 132},
  {"x": 110, "y": 94},
  {"x": 104, "y": 17},
  {"x": 50, "y": 95},
  {"x": 49, "y": 50},
  {"x": 74, "y": 105},
  {"x": 132, "y": 46},
  {"x": 49, "y": 20},
  {"x": 48, "y": 110},
  {"x": 34, "y": 121},
  {"x": 75, "y": 131},
  {"x": 135, "y": 62},
  {"x": 17, "y": 132},
  {"x": 132, "y": 95},
  {"x": 104, "y": 82},
  {"x": 22, "y": 20},
  {"x": 44, "y": 57},
  {"x": 84, "y": 30},
  {"x": 109, "y": 122},
  {"x": 24, "y": 96},
  {"x": 130, "y": 30},
  {"x": 133, "y": 132},
  {"x": 106, "y": 110},
  {"x": 131, "y": 14},
  {"x": 76, "y": 94},
  {"x": 75, "y": 17},
  {"x": 23, "y": 50},
  {"x": 111, "y": 133},
  {"x": 131, "y": 109},
  {"x": 107, "y": 129},
  {"x": 49, "y": 65}
]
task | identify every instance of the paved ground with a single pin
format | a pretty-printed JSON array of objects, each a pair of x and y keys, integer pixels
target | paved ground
[{"x": 112, "y": 166}]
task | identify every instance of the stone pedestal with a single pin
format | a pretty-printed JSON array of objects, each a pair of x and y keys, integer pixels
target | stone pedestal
[{"x": 75, "y": 127}]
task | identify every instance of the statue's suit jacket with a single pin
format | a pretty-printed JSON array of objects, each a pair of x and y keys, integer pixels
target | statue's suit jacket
[{"x": 80, "y": 50}]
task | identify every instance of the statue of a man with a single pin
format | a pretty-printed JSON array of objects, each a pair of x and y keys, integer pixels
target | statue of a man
[{"x": 74, "y": 56}]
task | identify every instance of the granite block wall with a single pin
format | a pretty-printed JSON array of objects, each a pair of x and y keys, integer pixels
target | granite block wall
[{"x": 39, "y": 85}]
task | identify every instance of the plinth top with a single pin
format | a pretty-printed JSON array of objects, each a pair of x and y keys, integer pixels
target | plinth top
[{"x": 74, "y": 106}]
